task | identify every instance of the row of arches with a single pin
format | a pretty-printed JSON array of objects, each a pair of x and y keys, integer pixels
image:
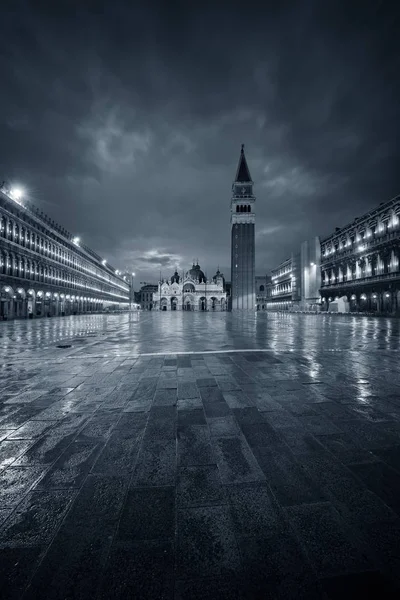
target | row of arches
[
  {"x": 373, "y": 265},
  {"x": 22, "y": 302},
  {"x": 243, "y": 208},
  {"x": 190, "y": 303},
  {"x": 367, "y": 230},
  {"x": 41, "y": 248},
  {"x": 379, "y": 301},
  {"x": 19, "y": 266}
]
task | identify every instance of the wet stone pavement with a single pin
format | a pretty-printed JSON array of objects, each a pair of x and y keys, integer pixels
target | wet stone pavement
[{"x": 194, "y": 456}]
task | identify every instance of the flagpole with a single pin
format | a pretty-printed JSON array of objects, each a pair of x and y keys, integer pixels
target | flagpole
[{"x": 160, "y": 289}]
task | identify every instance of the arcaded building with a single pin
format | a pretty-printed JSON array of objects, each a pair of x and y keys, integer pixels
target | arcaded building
[
  {"x": 191, "y": 291},
  {"x": 295, "y": 283},
  {"x": 243, "y": 295},
  {"x": 360, "y": 262},
  {"x": 45, "y": 271}
]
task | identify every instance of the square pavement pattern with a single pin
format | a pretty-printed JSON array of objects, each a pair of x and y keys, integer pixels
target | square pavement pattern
[{"x": 264, "y": 472}]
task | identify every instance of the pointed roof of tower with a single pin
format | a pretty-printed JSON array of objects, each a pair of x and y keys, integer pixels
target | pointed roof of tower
[{"x": 242, "y": 173}]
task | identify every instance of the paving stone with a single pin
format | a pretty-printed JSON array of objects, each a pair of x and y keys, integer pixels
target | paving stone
[
  {"x": 70, "y": 470},
  {"x": 148, "y": 514},
  {"x": 334, "y": 410},
  {"x": 216, "y": 409},
  {"x": 286, "y": 477},
  {"x": 194, "y": 416},
  {"x": 250, "y": 415},
  {"x": 223, "y": 588},
  {"x": 369, "y": 584},
  {"x": 129, "y": 565},
  {"x": 350, "y": 496},
  {"x": 194, "y": 446},
  {"x": 99, "y": 500},
  {"x": 167, "y": 384},
  {"x": 223, "y": 427},
  {"x": 119, "y": 454},
  {"x": 206, "y": 542},
  {"x": 16, "y": 418},
  {"x": 343, "y": 448},
  {"x": 237, "y": 399},
  {"x": 328, "y": 542},
  {"x": 156, "y": 464},
  {"x": 165, "y": 397},
  {"x": 275, "y": 566},
  {"x": 17, "y": 565},
  {"x": 254, "y": 511},
  {"x": 318, "y": 424},
  {"x": 391, "y": 456},
  {"x": 187, "y": 389},
  {"x": 48, "y": 448},
  {"x": 199, "y": 486},
  {"x": 71, "y": 566},
  {"x": 211, "y": 394},
  {"x": 189, "y": 404},
  {"x": 31, "y": 430},
  {"x": 98, "y": 428},
  {"x": 16, "y": 482},
  {"x": 260, "y": 434},
  {"x": 162, "y": 412},
  {"x": 382, "y": 480},
  {"x": 36, "y": 519},
  {"x": 11, "y": 450},
  {"x": 372, "y": 436},
  {"x": 235, "y": 460},
  {"x": 116, "y": 399},
  {"x": 301, "y": 442},
  {"x": 281, "y": 419}
]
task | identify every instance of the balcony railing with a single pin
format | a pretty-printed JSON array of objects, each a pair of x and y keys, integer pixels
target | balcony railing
[
  {"x": 363, "y": 280},
  {"x": 366, "y": 245}
]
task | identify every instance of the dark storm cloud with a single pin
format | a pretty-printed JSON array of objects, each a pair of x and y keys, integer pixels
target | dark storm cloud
[{"x": 124, "y": 120}]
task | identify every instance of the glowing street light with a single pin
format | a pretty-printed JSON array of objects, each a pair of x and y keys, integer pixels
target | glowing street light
[
  {"x": 16, "y": 193},
  {"x": 76, "y": 240},
  {"x": 104, "y": 262}
]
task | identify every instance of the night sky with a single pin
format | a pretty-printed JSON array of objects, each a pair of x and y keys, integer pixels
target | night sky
[{"x": 123, "y": 121}]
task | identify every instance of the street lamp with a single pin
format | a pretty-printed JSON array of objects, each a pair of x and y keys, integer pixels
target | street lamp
[
  {"x": 16, "y": 193},
  {"x": 76, "y": 240}
]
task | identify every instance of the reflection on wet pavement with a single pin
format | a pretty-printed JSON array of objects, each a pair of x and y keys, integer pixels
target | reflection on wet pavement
[{"x": 183, "y": 455}]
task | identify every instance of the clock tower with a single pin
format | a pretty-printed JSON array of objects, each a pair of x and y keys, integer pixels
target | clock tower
[{"x": 243, "y": 296}]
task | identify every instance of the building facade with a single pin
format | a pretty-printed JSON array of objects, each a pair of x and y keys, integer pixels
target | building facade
[
  {"x": 243, "y": 296},
  {"x": 283, "y": 289},
  {"x": 360, "y": 262},
  {"x": 262, "y": 286},
  {"x": 45, "y": 271},
  {"x": 146, "y": 294},
  {"x": 192, "y": 292}
]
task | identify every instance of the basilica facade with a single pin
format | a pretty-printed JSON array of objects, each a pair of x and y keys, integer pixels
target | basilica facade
[{"x": 191, "y": 291}]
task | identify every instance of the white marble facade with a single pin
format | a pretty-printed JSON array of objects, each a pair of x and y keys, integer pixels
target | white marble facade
[{"x": 191, "y": 291}]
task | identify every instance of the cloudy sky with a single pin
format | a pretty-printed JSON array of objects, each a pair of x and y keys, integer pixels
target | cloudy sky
[{"x": 123, "y": 120}]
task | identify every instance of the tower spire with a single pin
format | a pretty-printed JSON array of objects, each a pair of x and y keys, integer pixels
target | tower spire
[{"x": 242, "y": 173}]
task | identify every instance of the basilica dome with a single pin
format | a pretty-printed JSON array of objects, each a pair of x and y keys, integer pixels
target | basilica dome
[{"x": 196, "y": 273}]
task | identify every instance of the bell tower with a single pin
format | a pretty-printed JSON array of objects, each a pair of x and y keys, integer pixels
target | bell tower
[{"x": 243, "y": 296}]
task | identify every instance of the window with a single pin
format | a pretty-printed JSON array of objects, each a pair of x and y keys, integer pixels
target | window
[{"x": 261, "y": 288}]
